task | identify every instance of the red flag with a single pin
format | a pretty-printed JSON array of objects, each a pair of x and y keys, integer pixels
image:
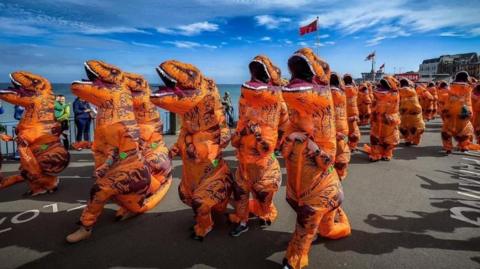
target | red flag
[
  {"x": 382, "y": 66},
  {"x": 370, "y": 56},
  {"x": 312, "y": 27}
]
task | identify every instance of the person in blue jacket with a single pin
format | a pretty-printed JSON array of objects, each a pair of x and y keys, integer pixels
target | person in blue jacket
[{"x": 83, "y": 118}]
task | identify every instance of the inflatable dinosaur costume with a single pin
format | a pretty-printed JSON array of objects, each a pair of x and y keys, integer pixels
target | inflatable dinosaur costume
[
  {"x": 314, "y": 190},
  {"x": 412, "y": 125},
  {"x": 432, "y": 89},
  {"x": 342, "y": 157},
  {"x": 351, "y": 91},
  {"x": 206, "y": 179},
  {"x": 476, "y": 111},
  {"x": 443, "y": 90},
  {"x": 457, "y": 114},
  {"x": 121, "y": 173},
  {"x": 42, "y": 156},
  {"x": 364, "y": 104},
  {"x": 261, "y": 116},
  {"x": 384, "y": 134},
  {"x": 426, "y": 101}
]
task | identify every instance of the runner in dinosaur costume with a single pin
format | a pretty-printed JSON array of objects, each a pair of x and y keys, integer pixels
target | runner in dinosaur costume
[
  {"x": 443, "y": 90},
  {"x": 384, "y": 134},
  {"x": 426, "y": 101},
  {"x": 342, "y": 157},
  {"x": 206, "y": 179},
  {"x": 6, "y": 138},
  {"x": 152, "y": 145},
  {"x": 432, "y": 89},
  {"x": 262, "y": 115},
  {"x": 351, "y": 91},
  {"x": 412, "y": 125},
  {"x": 121, "y": 172},
  {"x": 364, "y": 104},
  {"x": 314, "y": 190},
  {"x": 457, "y": 114},
  {"x": 476, "y": 111},
  {"x": 42, "y": 156}
]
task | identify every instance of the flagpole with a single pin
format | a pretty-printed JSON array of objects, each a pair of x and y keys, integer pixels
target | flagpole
[
  {"x": 318, "y": 38},
  {"x": 373, "y": 65}
]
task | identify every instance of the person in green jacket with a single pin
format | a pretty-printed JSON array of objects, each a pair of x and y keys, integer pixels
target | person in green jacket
[{"x": 62, "y": 114}]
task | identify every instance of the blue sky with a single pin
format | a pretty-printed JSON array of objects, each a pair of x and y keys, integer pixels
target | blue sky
[{"x": 54, "y": 37}]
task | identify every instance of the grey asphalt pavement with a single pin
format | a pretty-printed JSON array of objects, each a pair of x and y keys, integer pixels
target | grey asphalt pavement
[{"x": 421, "y": 210}]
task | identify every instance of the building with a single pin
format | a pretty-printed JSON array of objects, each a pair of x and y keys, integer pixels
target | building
[
  {"x": 429, "y": 68},
  {"x": 446, "y": 66},
  {"x": 369, "y": 76},
  {"x": 411, "y": 75}
]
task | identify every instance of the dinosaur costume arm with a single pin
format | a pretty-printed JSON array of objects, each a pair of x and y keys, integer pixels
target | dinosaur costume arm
[
  {"x": 283, "y": 123},
  {"x": 16, "y": 99}
]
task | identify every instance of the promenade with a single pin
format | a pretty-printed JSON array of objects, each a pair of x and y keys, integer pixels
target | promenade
[{"x": 421, "y": 210}]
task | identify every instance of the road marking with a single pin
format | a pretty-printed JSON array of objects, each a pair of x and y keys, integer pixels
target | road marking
[{"x": 16, "y": 219}]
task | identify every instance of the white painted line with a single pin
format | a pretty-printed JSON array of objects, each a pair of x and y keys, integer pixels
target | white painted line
[
  {"x": 468, "y": 194},
  {"x": 75, "y": 208}
]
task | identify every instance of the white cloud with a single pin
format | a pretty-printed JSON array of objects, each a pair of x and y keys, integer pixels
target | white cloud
[
  {"x": 189, "y": 44},
  {"x": 303, "y": 44},
  {"x": 324, "y": 36},
  {"x": 146, "y": 45},
  {"x": 271, "y": 22},
  {"x": 323, "y": 44},
  {"x": 190, "y": 29},
  {"x": 450, "y": 34},
  {"x": 266, "y": 38},
  {"x": 110, "y": 30}
]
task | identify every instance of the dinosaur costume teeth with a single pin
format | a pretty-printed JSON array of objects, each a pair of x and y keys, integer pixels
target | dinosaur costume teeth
[
  {"x": 206, "y": 179},
  {"x": 313, "y": 187},
  {"x": 121, "y": 172},
  {"x": 412, "y": 125},
  {"x": 42, "y": 156},
  {"x": 262, "y": 116}
]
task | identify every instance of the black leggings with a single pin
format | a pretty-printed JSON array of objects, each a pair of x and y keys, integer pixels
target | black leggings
[{"x": 83, "y": 129}]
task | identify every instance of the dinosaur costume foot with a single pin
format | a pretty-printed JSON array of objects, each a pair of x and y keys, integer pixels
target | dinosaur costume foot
[{"x": 79, "y": 235}]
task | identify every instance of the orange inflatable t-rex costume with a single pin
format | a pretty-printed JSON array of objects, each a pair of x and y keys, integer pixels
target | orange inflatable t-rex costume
[
  {"x": 432, "y": 89},
  {"x": 364, "y": 104},
  {"x": 314, "y": 190},
  {"x": 457, "y": 114},
  {"x": 121, "y": 172},
  {"x": 442, "y": 92},
  {"x": 42, "y": 156},
  {"x": 152, "y": 146},
  {"x": 412, "y": 125},
  {"x": 476, "y": 111},
  {"x": 262, "y": 115},
  {"x": 351, "y": 91},
  {"x": 384, "y": 134},
  {"x": 342, "y": 157},
  {"x": 206, "y": 179},
  {"x": 426, "y": 101}
]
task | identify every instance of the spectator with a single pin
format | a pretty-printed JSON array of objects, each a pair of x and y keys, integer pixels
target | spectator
[
  {"x": 83, "y": 117},
  {"x": 62, "y": 114},
  {"x": 18, "y": 113},
  {"x": 228, "y": 108}
]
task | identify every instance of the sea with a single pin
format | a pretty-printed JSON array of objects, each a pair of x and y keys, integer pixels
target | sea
[{"x": 64, "y": 88}]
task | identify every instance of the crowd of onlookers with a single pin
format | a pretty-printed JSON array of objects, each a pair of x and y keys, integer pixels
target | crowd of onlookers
[{"x": 83, "y": 114}]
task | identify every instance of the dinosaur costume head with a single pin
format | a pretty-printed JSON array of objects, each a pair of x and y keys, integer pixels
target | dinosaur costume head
[
  {"x": 443, "y": 85},
  {"x": 305, "y": 65},
  {"x": 102, "y": 78},
  {"x": 404, "y": 82},
  {"x": 262, "y": 69},
  {"x": 25, "y": 84},
  {"x": 388, "y": 83},
  {"x": 336, "y": 81},
  {"x": 348, "y": 79},
  {"x": 307, "y": 69},
  {"x": 363, "y": 87},
  {"x": 135, "y": 83},
  {"x": 184, "y": 87},
  {"x": 262, "y": 88}
]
